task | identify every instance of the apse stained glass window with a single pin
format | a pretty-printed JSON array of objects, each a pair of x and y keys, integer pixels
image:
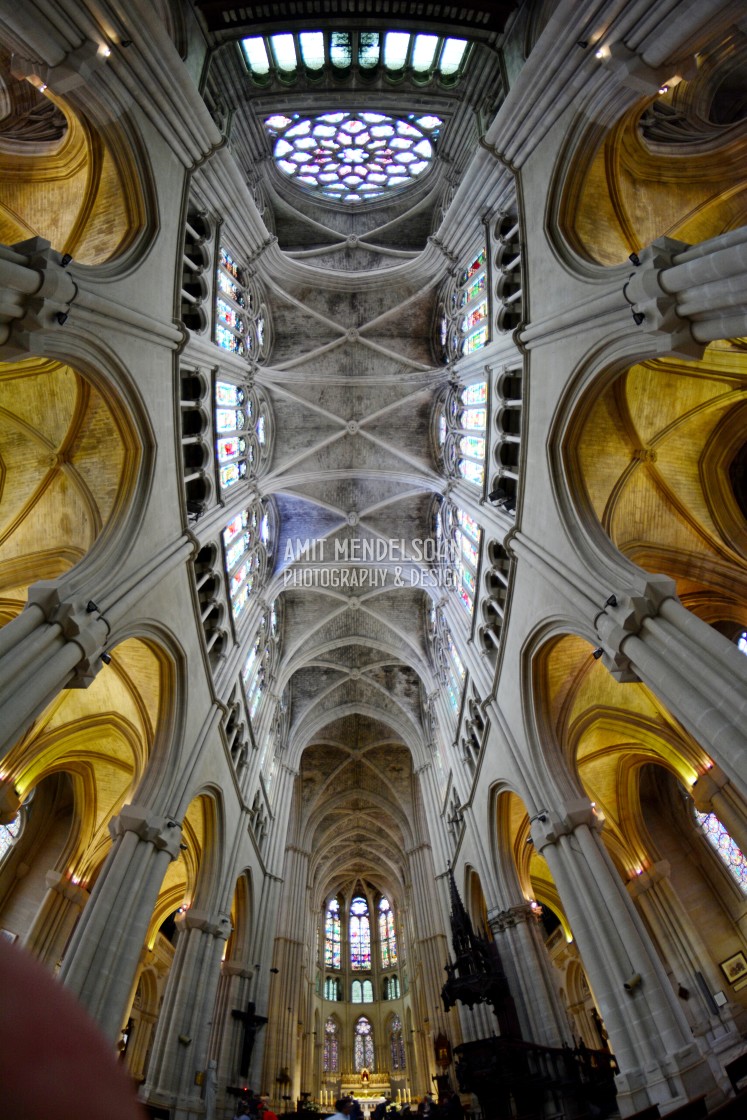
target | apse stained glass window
[
  {"x": 363, "y": 1046},
  {"x": 332, "y": 958},
  {"x": 258, "y": 666},
  {"x": 246, "y": 540},
  {"x": 470, "y": 423},
  {"x": 396, "y": 1043},
  {"x": 387, "y": 935},
  {"x": 9, "y": 833},
  {"x": 467, "y": 538},
  {"x": 352, "y": 156},
  {"x": 361, "y": 991},
  {"x": 331, "y": 1056},
  {"x": 727, "y": 850},
  {"x": 230, "y": 306},
  {"x": 359, "y": 934},
  {"x": 464, "y": 322}
]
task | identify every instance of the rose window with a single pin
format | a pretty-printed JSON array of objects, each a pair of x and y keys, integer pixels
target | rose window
[{"x": 353, "y": 156}]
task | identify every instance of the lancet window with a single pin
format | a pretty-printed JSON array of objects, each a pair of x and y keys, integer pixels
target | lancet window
[
  {"x": 727, "y": 849},
  {"x": 390, "y": 987},
  {"x": 387, "y": 935},
  {"x": 464, "y": 319},
  {"x": 240, "y": 315},
  {"x": 458, "y": 538},
  {"x": 332, "y": 989},
  {"x": 242, "y": 432},
  {"x": 396, "y": 1043},
  {"x": 260, "y": 662},
  {"x": 359, "y": 934},
  {"x": 332, "y": 935},
  {"x": 361, "y": 991},
  {"x": 331, "y": 1056},
  {"x": 449, "y": 665},
  {"x": 246, "y": 547},
  {"x": 461, "y": 422},
  {"x": 363, "y": 1045}
]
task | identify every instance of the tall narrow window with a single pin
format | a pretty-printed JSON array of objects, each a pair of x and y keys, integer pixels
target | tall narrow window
[
  {"x": 363, "y": 1046},
  {"x": 360, "y": 934},
  {"x": 9, "y": 833},
  {"x": 727, "y": 850},
  {"x": 331, "y": 1057},
  {"x": 461, "y": 432},
  {"x": 396, "y": 1043},
  {"x": 332, "y": 935},
  {"x": 331, "y": 988},
  {"x": 387, "y": 935},
  {"x": 259, "y": 665}
]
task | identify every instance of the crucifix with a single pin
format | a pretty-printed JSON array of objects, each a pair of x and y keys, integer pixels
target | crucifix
[{"x": 252, "y": 1023}]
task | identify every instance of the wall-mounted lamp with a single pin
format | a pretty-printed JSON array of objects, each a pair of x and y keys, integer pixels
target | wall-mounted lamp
[
  {"x": 66, "y": 259},
  {"x": 638, "y": 317},
  {"x": 598, "y": 652},
  {"x": 106, "y": 658},
  {"x": 185, "y": 1039},
  {"x": 634, "y": 259},
  {"x": 612, "y": 601},
  {"x": 61, "y": 317},
  {"x": 632, "y": 982}
]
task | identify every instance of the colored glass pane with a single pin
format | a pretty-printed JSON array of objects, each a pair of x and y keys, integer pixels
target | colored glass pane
[
  {"x": 228, "y": 395},
  {"x": 363, "y": 1049},
  {"x": 229, "y": 475},
  {"x": 239, "y": 599},
  {"x": 387, "y": 936},
  {"x": 475, "y": 341},
  {"x": 473, "y": 472},
  {"x": 476, "y": 315},
  {"x": 227, "y": 340},
  {"x": 229, "y": 315},
  {"x": 742, "y": 642},
  {"x": 229, "y": 419},
  {"x": 237, "y": 550},
  {"x": 424, "y": 51},
  {"x": 473, "y": 446},
  {"x": 473, "y": 419},
  {"x": 230, "y": 448},
  {"x": 396, "y": 44},
  {"x": 235, "y": 526},
  {"x": 332, "y": 935},
  {"x": 442, "y": 430},
  {"x": 727, "y": 849},
  {"x": 396, "y": 1043},
  {"x": 312, "y": 49},
  {"x": 227, "y": 262},
  {"x": 359, "y": 935},
  {"x": 469, "y": 525},
  {"x": 230, "y": 288},
  {"x": 331, "y": 1060}
]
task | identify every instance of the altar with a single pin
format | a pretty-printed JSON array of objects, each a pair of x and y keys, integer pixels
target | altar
[{"x": 365, "y": 1086}]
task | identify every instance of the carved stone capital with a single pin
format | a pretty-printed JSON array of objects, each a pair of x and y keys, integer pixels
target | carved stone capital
[
  {"x": 164, "y": 834},
  {"x": 549, "y": 826},
  {"x": 73, "y": 892},
  {"x": 215, "y": 925}
]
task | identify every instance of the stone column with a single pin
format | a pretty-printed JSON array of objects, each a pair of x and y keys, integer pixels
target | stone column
[
  {"x": 234, "y": 993},
  {"x": 518, "y": 935},
  {"x": 685, "y": 954},
  {"x": 104, "y": 953},
  {"x": 647, "y": 635},
  {"x": 180, "y": 1049},
  {"x": 658, "y": 1059},
  {"x": 56, "y": 918}
]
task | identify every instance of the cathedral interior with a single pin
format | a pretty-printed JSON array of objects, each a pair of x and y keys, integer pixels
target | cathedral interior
[{"x": 373, "y": 546}]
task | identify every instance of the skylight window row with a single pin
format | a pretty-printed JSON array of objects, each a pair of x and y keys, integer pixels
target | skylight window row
[{"x": 286, "y": 54}]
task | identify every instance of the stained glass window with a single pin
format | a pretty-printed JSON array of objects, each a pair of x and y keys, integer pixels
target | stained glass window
[
  {"x": 244, "y": 551},
  {"x": 258, "y": 666},
  {"x": 332, "y": 958},
  {"x": 467, "y": 537},
  {"x": 331, "y": 1057},
  {"x": 361, "y": 991},
  {"x": 396, "y": 1043},
  {"x": 9, "y": 834},
  {"x": 471, "y": 419},
  {"x": 387, "y": 935},
  {"x": 742, "y": 642},
  {"x": 352, "y": 156},
  {"x": 359, "y": 934},
  {"x": 331, "y": 988},
  {"x": 241, "y": 445},
  {"x": 465, "y": 316},
  {"x": 391, "y": 987},
  {"x": 363, "y": 1047},
  {"x": 728, "y": 851}
]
